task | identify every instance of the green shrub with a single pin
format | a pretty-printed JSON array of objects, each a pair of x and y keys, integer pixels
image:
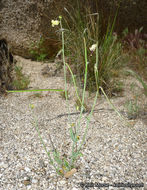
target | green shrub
[
  {"x": 134, "y": 44},
  {"x": 142, "y": 82},
  {"x": 132, "y": 108},
  {"x": 38, "y": 51},
  {"x": 21, "y": 81},
  {"x": 87, "y": 25}
]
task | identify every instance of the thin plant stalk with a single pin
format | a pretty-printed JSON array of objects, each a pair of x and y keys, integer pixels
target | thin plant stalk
[
  {"x": 109, "y": 101},
  {"x": 63, "y": 54},
  {"x": 84, "y": 89},
  {"x": 65, "y": 64},
  {"x": 44, "y": 146},
  {"x": 96, "y": 71},
  {"x": 88, "y": 120},
  {"x": 78, "y": 149},
  {"x": 85, "y": 79},
  {"x": 95, "y": 100},
  {"x": 74, "y": 81}
]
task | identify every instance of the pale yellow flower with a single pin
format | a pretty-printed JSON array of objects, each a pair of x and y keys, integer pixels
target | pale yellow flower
[
  {"x": 55, "y": 23},
  {"x": 93, "y": 47},
  {"x": 72, "y": 124},
  {"x": 31, "y": 106}
]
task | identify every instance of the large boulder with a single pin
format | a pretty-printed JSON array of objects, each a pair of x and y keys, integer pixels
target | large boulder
[{"x": 23, "y": 22}]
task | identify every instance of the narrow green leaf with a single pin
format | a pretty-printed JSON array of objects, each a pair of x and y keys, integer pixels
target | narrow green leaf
[
  {"x": 72, "y": 135},
  {"x": 76, "y": 154},
  {"x": 35, "y": 90},
  {"x": 66, "y": 164},
  {"x": 57, "y": 158}
]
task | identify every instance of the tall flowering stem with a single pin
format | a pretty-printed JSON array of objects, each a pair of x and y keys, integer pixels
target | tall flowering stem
[{"x": 63, "y": 54}]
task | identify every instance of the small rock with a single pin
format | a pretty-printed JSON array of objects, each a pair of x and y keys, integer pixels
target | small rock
[
  {"x": 20, "y": 185},
  {"x": 27, "y": 169},
  {"x": 41, "y": 163},
  {"x": 29, "y": 187},
  {"x": 62, "y": 182},
  {"x": 111, "y": 188},
  {"x": 26, "y": 182},
  {"x": 34, "y": 180},
  {"x": 104, "y": 179},
  {"x": 5, "y": 165},
  {"x": 52, "y": 174}
]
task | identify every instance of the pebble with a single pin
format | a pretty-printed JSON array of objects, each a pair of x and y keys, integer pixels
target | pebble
[
  {"x": 26, "y": 182},
  {"x": 62, "y": 182},
  {"x": 53, "y": 174},
  {"x": 29, "y": 187},
  {"x": 34, "y": 181},
  {"x": 3, "y": 165},
  {"x": 104, "y": 179},
  {"x": 27, "y": 169}
]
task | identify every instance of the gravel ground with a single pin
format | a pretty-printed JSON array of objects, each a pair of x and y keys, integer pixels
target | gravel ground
[{"x": 114, "y": 153}]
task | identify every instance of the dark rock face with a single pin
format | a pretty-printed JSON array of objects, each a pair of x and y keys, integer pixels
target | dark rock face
[
  {"x": 131, "y": 14},
  {"x": 6, "y": 66}
]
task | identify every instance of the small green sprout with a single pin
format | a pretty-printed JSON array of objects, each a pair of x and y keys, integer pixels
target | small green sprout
[{"x": 31, "y": 106}]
